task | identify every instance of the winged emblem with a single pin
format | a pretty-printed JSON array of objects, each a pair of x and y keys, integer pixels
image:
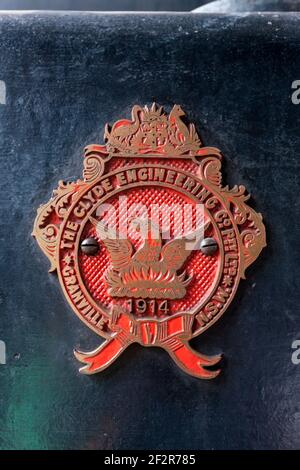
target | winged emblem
[{"x": 152, "y": 271}]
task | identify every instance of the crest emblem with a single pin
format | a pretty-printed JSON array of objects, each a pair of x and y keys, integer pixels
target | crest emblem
[{"x": 149, "y": 246}]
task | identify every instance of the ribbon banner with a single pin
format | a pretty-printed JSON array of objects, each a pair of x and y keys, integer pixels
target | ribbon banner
[{"x": 170, "y": 334}]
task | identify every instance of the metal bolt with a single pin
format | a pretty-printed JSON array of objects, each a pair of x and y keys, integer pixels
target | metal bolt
[
  {"x": 208, "y": 246},
  {"x": 89, "y": 246}
]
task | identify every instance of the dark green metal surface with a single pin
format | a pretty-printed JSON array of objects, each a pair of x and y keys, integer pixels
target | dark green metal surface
[{"x": 66, "y": 76}]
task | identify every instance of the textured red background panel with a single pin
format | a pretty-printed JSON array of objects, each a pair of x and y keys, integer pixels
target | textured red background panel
[{"x": 203, "y": 268}]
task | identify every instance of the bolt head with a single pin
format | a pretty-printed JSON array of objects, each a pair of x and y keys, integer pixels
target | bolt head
[
  {"x": 89, "y": 246},
  {"x": 208, "y": 246}
]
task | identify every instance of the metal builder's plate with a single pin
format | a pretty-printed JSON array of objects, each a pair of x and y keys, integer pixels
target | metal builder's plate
[
  {"x": 150, "y": 247},
  {"x": 65, "y": 77}
]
